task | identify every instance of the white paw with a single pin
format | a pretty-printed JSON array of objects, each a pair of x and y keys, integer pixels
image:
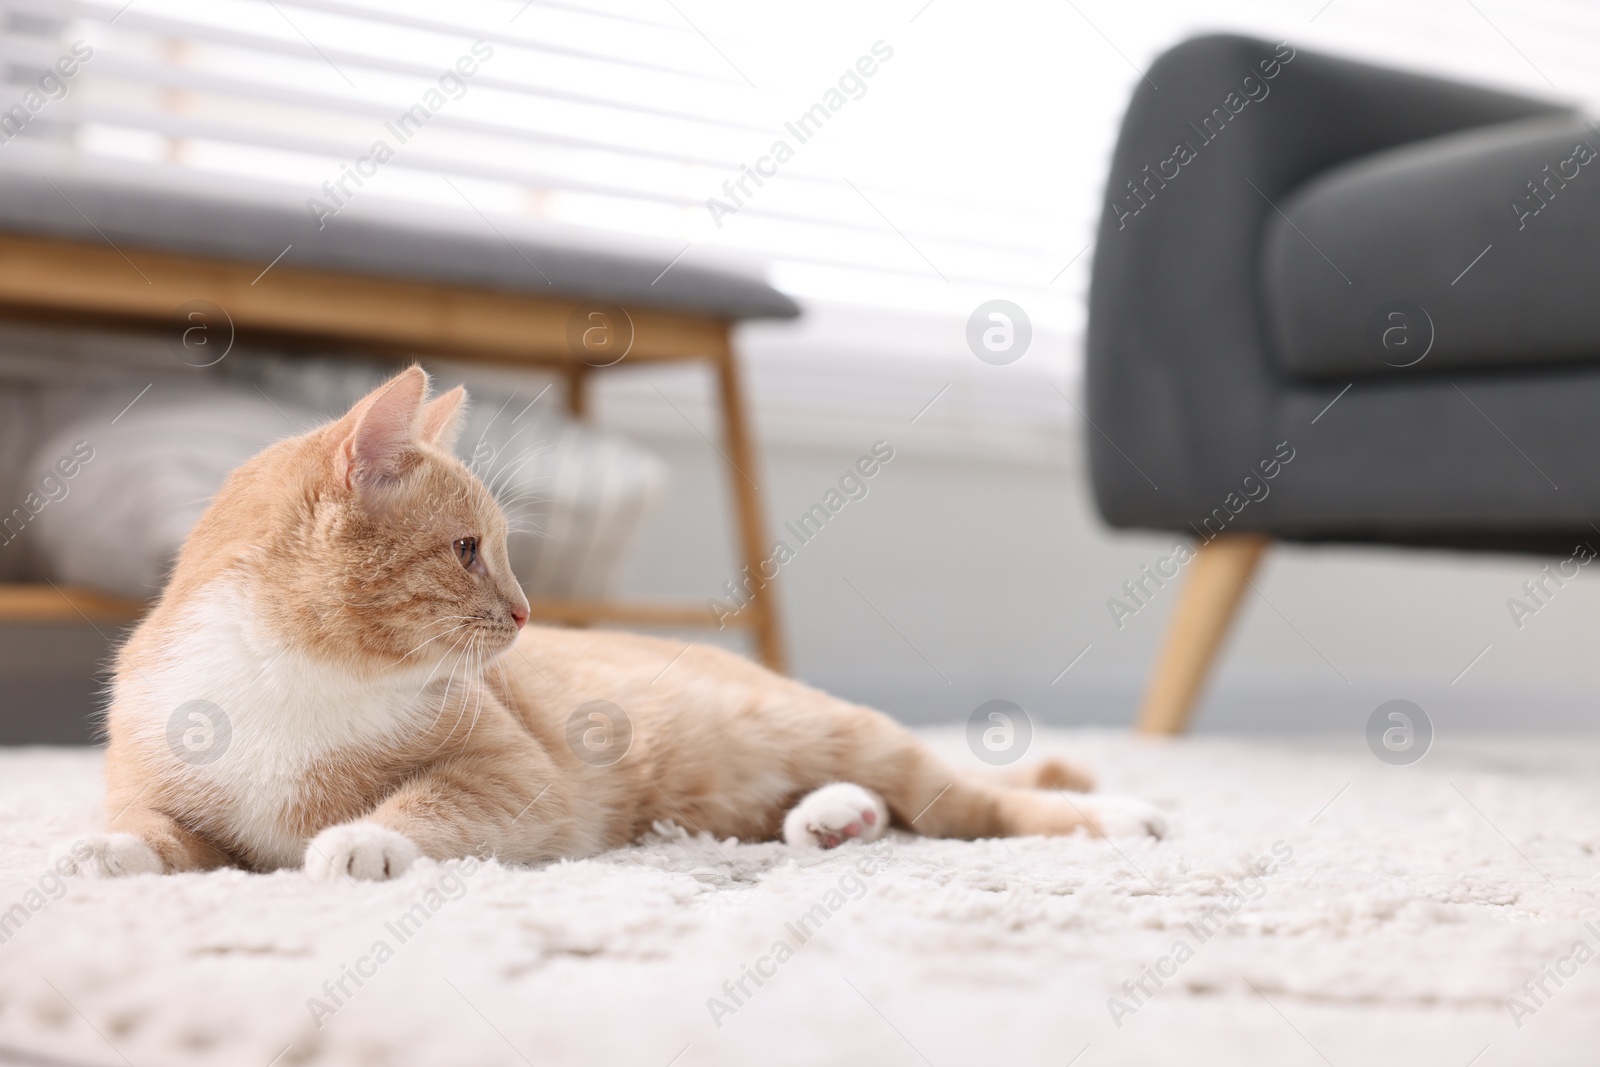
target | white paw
[
  {"x": 359, "y": 850},
  {"x": 105, "y": 856},
  {"x": 1123, "y": 816},
  {"x": 832, "y": 815}
]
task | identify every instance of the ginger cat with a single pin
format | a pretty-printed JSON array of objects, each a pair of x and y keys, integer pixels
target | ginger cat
[{"x": 338, "y": 675}]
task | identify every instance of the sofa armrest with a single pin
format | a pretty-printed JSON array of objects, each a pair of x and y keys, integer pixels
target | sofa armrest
[
  {"x": 1489, "y": 233},
  {"x": 1178, "y": 370}
]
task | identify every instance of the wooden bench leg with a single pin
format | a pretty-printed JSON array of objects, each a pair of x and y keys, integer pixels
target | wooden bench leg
[
  {"x": 577, "y": 376},
  {"x": 744, "y": 478},
  {"x": 1206, "y": 605},
  {"x": 578, "y": 391}
]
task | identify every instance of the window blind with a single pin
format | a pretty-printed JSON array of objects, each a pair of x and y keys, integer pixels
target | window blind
[
  {"x": 626, "y": 119},
  {"x": 924, "y": 157}
]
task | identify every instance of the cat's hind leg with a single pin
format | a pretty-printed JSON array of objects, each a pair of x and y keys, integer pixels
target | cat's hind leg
[
  {"x": 971, "y": 808},
  {"x": 834, "y": 814},
  {"x": 928, "y": 797},
  {"x": 1050, "y": 774}
]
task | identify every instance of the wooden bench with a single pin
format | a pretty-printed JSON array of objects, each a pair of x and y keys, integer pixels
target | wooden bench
[{"x": 104, "y": 279}]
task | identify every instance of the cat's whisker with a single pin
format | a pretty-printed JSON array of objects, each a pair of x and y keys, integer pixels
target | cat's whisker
[
  {"x": 461, "y": 713},
  {"x": 499, "y": 664},
  {"x": 493, "y": 417},
  {"x": 504, "y": 475},
  {"x": 478, "y": 707},
  {"x": 495, "y": 454},
  {"x": 443, "y": 620},
  {"x": 444, "y": 701},
  {"x": 429, "y": 679},
  {"x": 516, "y": 506},
  {"x": 532, "y": 521},
  {"x": 536, "y": 482},
  {"x": 431, "y": 640},
  {"x": 532, "y": 485},
  {"x": 515, "y": 463},
  {"x": 464, "y": 644},
  {"x": 519, "y": 508},
  {"x": 505, "y": 449}
]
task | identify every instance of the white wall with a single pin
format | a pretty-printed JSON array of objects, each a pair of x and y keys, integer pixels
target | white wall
[
  {"x": 991, "y": 562},
  {"x": 981, "y": 548}
]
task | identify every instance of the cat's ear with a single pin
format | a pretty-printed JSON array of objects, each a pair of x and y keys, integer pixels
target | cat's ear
[
  {"x": 373, "y": 439},
  {"x": 444, "y": 417}
]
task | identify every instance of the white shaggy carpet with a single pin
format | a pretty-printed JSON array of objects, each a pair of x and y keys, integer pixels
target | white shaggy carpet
[{"x": 1418, "y": 900}]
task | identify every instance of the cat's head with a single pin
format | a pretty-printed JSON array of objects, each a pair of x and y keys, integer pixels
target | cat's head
[{"x": 368, "y": 542}]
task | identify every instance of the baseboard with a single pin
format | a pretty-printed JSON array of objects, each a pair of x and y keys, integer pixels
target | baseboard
[{"x": 1231, "y": 705}]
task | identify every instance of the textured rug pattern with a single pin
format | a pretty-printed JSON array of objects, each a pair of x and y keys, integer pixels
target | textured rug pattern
[{"x": 1311, "y": 905}]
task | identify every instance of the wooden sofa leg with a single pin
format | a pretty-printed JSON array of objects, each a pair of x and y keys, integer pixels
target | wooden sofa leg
[{"x": 1206, "y": 605}]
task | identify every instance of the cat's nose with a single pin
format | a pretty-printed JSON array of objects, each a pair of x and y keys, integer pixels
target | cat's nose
[{"x": 520, "y": 615}]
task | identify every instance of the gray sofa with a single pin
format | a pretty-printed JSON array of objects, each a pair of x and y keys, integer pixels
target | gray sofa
[
  {"x": 1240, "y": 301},
  {"x": 1387, "y": 277}
]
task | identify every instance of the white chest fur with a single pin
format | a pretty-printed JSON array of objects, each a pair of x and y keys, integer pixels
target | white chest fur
[{"x": 269, "y": 714}]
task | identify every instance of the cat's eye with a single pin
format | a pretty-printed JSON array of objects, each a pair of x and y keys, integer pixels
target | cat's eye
[{"x": 466, "y": 549}]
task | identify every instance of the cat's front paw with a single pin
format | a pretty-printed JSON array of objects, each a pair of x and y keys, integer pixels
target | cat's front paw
[
  {"x": 834, "y": 814},
  {"x": 359, "y": 850},
  {"x": 105, "y": 856},
  {"x": 1116, "y": 816}
]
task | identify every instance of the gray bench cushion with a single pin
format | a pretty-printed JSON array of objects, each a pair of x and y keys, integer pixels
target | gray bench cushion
[
  {"x": 49, "y": 193},
  {"x": 1404, "y": 224}
]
